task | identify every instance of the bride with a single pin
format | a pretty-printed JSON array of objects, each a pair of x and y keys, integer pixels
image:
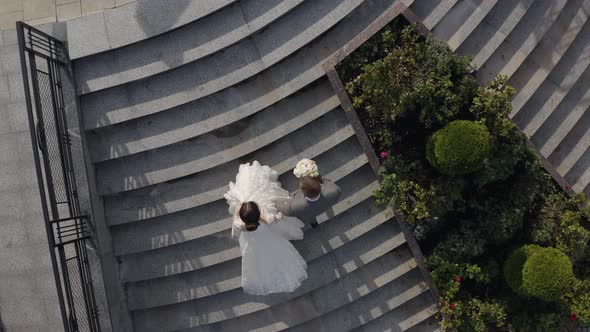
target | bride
[{"x": 270, "y": 263}]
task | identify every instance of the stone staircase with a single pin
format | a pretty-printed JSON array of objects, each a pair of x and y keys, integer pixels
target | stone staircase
[
  {"x": 544, "y": 48},
  {"x": 171, "y": 106}
]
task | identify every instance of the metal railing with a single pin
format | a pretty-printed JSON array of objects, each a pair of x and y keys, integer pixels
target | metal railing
[{"x": 43, "y": 57}]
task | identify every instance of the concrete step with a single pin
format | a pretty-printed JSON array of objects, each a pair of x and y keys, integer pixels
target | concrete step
[
  {"x": 166, "y": 149},
  {"x": 235, "y": 64},
  {"x": 196, "y": 118},
  {"x": 566, "y": 115},
  {"x": 542, "y": 60},
  {"x": 217, "y": 279},
  {"x": 346, "y": 267},
  {"x": 216, "y": 148},
  {"x": 348, "y": 288},
  {"x": 432, "y": 11},
  {"x": 125, "y": 25},
  {"x": 458, "y": 24},
  {"x": 431, "y": 324},
  {"x": 522, "y": 40},
  {"x": 495, "y": 27},
  {"x": 226, "y": 276},
  {"x": 572, "y": 155},
  {"x": 170, "y": 229},
  {"x": 539, "y": 111},
  {"x": 199, "y": 254},
  {"x": 209, "y": 186},
  {"x": 218, "y": 247},
  {"x": 404, "y": 296},
  {"x": 413, "y": 321},
  {"x": 579, "y": 175},
  {"x": 573, "y": 146},
  {"x": 179, "y": 47},
  {"x": 356, "y": 222},
  {"x": 212, "y": 218}
]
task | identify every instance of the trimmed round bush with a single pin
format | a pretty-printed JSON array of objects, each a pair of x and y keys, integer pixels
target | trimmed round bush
[
  {"x": 547, "y": 274},
  {"x": 515, "y": 263},
  {"x": 460, "y": 148}
]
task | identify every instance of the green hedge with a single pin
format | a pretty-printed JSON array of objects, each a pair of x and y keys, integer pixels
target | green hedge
[
  {"x": 405, "y": 87},
  {"x": 547, "y": 275},
  {"x": 515, "y": 263},
  {"x": 461, "y": 147}
]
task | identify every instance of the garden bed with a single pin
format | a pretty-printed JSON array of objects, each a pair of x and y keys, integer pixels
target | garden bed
[{"x": 461, "y": 174}]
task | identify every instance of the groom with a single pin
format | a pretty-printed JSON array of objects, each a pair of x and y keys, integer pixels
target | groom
[{"x": 315, "y": 195}]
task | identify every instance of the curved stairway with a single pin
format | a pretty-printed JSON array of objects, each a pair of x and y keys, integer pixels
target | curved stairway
[
  {"x": 171, "y": 111},
  {"x": 543, "y": 46}
]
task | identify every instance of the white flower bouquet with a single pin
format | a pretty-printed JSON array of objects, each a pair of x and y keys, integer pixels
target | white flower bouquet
[{"x": 306, "y": 167}]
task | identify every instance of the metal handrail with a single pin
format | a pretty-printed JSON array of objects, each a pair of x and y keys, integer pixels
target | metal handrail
[{"x": 66, "y": 235}]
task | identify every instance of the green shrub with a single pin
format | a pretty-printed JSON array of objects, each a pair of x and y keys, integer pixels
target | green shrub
[
  {"x": 404, "y": 187},
  {"x": 485, "y": 316},
  {"x": 526, "y": 321},
  {"x": 422, "y": 78},
  {"x": 571, "y": 237},
  {"x": 501, "y": 209},
  {"x": 473, "y": 315},
  {"x": 407, "y": 197},
  {"x": 549, "y": 322},
  {"x": 460, "y": 311},
  {"x": 461, "y": 147},
  {"x": 578, "y": 301},
  {"x": 530, "y": 320},
  {"x": 547, "y": 274},
  {"x": 406, "y": 86},
  {"x": 514, "y": 264},
  {"x": 373, "y": 49},
  {"x": 444, "y": 273},
  {"x": 462, "y": 244},
  {"x": 508, "y": 221},
  {"x": 545, "y": 227},
  {"x": 559, "y": 225},
  {"x": 492, "y": 105},
  {"x": 544, "y": 273}
]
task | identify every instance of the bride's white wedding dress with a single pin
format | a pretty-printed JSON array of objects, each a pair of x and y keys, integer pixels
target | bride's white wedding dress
[{"x": 270, "y": 263}]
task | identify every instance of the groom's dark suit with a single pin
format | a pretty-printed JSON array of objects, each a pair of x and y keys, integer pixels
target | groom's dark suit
[{"x": 307, "y": 210}]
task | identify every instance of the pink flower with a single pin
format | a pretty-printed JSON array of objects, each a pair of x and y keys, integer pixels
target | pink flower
[
  {"x": 573, "y": 317},
  {"x": 384, "y": 154},
  {"x": 567, "y": 187},
  {"x": 452, "y": 306},
  {"x": 458, "y": 279}
]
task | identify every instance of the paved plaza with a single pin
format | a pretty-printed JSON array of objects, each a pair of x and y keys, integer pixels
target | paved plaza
[{"x": 36, "y": 12}]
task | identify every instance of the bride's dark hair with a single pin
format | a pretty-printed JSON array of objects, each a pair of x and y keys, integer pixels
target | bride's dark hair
[{"x": 250, "y": 215}]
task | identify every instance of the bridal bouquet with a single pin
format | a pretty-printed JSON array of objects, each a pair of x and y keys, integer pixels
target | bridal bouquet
[{"x": 306, "y": 167}]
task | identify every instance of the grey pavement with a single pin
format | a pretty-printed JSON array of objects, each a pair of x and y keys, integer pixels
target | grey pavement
[
  {"x": 35, "y": 12},
  {"x": 28, "y": 297},
  {"x": 131, "y": 23}
]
